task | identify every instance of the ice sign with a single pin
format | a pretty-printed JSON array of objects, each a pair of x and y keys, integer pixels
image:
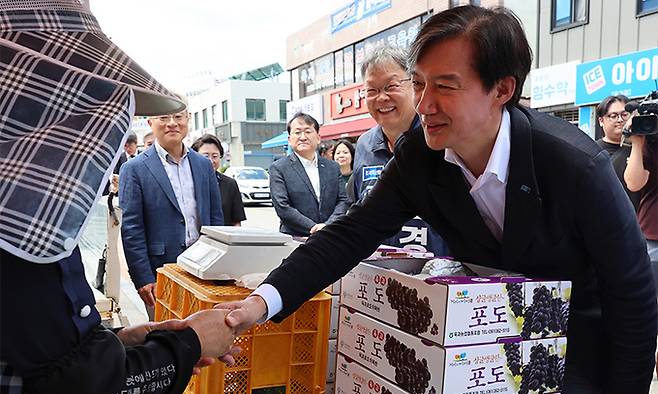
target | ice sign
[{"x": 594, "y": 79}]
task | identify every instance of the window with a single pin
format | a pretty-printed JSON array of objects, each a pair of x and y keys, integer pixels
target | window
[
  {"x": 339, "y": 77},
  {"x": 453, "y": 3},
  {"x": 348, "y": 64},
  {"x": 224, "y": 111},
  {"x": 205, "y": 117},
  {"x": 283, "y": 114},
  {"x": 569, "y": 13},
  {"x": 474, "y": 2},
  {"x": 646, "y": 6},
  {"x": 255, "y": 109},
  {"x": 196, "y": 121},
  {"x": 213, "y": 115}
]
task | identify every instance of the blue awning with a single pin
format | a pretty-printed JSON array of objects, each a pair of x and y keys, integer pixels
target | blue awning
[{"x": 279, "y": 140}]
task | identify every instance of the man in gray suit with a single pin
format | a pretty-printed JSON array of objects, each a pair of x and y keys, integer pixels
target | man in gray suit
[{"x": 305, "y": 187}]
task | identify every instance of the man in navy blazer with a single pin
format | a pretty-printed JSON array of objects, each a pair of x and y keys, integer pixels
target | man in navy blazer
[
  {"x": 166, "y": 194},
  {"x": 305, "y": 187},
  {"x": 506, "y": 187}
]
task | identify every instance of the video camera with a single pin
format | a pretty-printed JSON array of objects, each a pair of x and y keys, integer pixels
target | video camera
[{"x": 646, "y": 122}]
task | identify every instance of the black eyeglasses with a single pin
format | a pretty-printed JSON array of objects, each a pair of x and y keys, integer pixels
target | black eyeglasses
[{"x": 616, "y": 115}]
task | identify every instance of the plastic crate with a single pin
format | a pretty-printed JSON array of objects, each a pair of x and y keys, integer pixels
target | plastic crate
[{"x": 290, "y": 356}]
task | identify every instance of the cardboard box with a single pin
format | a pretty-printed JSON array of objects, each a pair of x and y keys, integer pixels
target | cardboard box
[
  {"x": 454, "y": 311},
  {"x": 352, "y": 378},
  {"x": 333, "y": 289},
  {"x": 331, "y": 361},
  {"x": 333, "y": 322},
  {"x": 416, "y": 365},
  {"x": 330, "y": 388}
]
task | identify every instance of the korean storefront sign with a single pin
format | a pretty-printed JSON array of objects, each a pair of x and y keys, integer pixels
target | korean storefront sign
[
  {"x": 355, "y": 11},
  {"x": 348, "y": 102},
  {"x": 632, "y": 75},
  {"x": 553, "y": 85},
  {"x": 311, "y": 105}
]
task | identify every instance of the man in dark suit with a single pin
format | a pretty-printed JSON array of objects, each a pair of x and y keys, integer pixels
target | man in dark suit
[
  {"x": 507, "y": 187},
  {"x": 305, "y": 187},
  {"x": 129, "y": 151},
  {"x": 166, "y": 194}
]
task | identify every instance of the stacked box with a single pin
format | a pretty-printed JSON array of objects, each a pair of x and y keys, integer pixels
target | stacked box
[
  {"x": 333, "y": 323},
  {"x": 453, "y": 311},
  {"x": 418, "y": 366},
  {"x": 352, "y": 378},
  {"x": 330, "y": 388},
  {"x": 333, "y": 289},
  {"x": 331, "y": 361}
]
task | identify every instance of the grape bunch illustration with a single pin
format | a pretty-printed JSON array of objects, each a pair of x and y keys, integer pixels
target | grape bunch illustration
[
  {"x": 411, "y": 374},
  {"x": 544, "y": 372},
  {"x": 546, "y": 314},
  {"x": 414, "y": 314}
]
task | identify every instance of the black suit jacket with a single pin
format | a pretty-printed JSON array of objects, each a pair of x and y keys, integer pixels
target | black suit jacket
[
  {"x": 294, "y": 199},
  {"x": 122, "y": 159},
  {"x": 55, "y": 348},
  {"x": 566, "y": 217}
]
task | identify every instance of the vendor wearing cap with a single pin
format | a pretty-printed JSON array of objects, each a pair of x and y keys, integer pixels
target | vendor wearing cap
[{"x": 67, "y": 99}]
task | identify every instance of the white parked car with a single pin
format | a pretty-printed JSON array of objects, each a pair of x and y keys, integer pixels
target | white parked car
[{"x": 253, "y": 182}]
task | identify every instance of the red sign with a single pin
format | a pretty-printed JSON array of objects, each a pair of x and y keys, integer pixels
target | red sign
[{"x": 348, "y": 102}]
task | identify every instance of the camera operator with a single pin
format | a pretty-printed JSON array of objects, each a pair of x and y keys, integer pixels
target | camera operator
[
  {"x": 642, "y": 175},
  {"x": 612, "y": 117}
]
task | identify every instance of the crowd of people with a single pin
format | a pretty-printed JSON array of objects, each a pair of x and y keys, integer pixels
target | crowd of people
[{"x": 455, "y": 166}]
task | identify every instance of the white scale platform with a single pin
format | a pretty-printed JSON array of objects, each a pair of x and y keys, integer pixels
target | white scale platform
[{"x": 227, "y": 252}]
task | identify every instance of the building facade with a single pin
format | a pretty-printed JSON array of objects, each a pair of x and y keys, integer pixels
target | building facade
[
  {"x": 324, "y": 59},
  {"x": 589, "y": 49},
  {"x": 242, "y": 114}
]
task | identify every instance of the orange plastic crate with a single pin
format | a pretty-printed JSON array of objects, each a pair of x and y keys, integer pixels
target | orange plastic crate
[{"x": 290, "y": 355}]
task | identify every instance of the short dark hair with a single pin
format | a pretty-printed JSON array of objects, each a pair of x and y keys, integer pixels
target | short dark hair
[
  {"x": 349, "y": 146},
  {"x": 604, "y": 106},
  {"x": 326, "y": 146},
  {"x": 499, "y": 43},
  {"x": 208, "y": 139},
  {"x": 132, "y": 138},
  {"x": 306, "y": 118}
]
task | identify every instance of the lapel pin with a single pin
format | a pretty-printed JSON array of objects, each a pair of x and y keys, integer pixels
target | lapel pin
[{"x": 525, "y": 189}]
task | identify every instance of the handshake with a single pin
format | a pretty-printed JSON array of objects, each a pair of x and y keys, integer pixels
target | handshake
[{"x": 215, "y": 328}]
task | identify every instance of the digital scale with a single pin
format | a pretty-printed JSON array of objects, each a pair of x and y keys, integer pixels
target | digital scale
[{"x": 228, "y": 252}]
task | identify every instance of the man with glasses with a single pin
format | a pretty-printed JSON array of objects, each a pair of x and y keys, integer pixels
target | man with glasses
[
  {"x": 389, "y": 101},
  {"x": 509, "y": 188},
  {"x": 612, "y": 116},
  {"x": 306, "y": 188},
  {"x": 167, "y": 193}
]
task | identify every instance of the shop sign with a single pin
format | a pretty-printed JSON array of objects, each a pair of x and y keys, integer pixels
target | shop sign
[
  {"x": 632, "y": 75},
  {"x": 553, "y": 85},
  {"x": 355, "y": 11},
  {"x": 311, "y": 105},
  {"x": 348, "y": 102}
]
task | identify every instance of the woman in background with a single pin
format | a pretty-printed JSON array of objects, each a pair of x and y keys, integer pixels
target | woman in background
[
  {"x": 344, "y": 156},
  {"x": 232, "y": 207}
]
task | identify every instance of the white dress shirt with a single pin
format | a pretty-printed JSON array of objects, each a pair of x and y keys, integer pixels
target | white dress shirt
[
  {"x": 488, "y": 191},
  {"x": 180, "y": 177},
  {"x": 311, "y": 168}
]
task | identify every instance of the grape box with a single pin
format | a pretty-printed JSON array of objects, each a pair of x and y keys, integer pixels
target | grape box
[
  {"x": 353, "y": 378},
  {"x": 460, "y": 310},
  {"x": 418, "y": 366}
]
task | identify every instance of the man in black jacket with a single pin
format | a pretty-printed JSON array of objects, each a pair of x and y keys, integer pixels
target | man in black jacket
[{"x": 506, "y": 187}]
